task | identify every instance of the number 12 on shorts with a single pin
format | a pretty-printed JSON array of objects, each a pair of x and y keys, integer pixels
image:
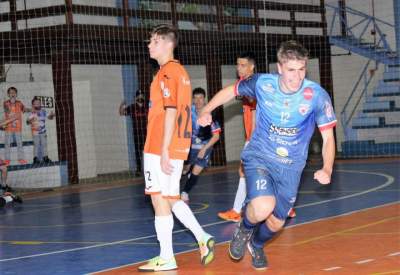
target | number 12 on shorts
[{"x": 261, "y": 184}]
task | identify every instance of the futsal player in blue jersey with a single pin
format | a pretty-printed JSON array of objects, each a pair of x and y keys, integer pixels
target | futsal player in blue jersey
[
  {"x": 203, "y": 140},
  {"x": 288, "y": 108}
]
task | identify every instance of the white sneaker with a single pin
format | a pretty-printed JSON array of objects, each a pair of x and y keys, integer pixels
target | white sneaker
[{"x": 185, "y": 197}]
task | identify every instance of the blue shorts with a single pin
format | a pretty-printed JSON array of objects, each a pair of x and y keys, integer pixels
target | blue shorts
[
  {"x": 194, "y": 160},
  {"x": 263, "y": 178}
]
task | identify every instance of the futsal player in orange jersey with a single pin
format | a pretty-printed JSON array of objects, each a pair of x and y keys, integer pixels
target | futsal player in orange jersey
[
  {"x": 245, "y": 67},
  {"x": 167, "y": 146}
]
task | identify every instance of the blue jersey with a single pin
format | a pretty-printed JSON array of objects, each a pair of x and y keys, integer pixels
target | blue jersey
[
  {"x": 201, "y": 135},
  {"x": 285, "y": 122}
]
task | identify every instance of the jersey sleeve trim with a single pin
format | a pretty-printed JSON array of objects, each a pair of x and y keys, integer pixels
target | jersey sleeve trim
[{"x": 327, "y": 126}]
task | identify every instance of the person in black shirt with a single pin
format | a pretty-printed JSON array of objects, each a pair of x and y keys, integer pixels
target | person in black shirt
[{"x": 138, "y": 112}]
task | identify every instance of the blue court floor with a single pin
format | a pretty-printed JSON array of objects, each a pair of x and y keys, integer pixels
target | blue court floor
[{"x": 98, "y": 229}]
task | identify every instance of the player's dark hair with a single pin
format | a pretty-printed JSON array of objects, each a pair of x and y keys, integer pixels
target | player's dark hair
[
  {"x": 249, "y": 56},
  {"x": 35, "y": 98},
  {"x": 11, "y": 88},
  {"x": 199, "y": 91},
  {"x": 166, "y": 31}
]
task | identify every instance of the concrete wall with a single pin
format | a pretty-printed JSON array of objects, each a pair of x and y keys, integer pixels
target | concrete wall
[{"x": 97, "y": 100}]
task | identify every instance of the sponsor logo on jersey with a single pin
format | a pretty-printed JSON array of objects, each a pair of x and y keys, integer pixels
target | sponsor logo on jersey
[
  {"x": 303, "y": 109},
  {"x": 328, "y": 110},
  {"x": 261, "y": 172},
  {"x": 281, "y": 141},
  {"x": 282, "y": 151},
  {"x": 268, "y": 88},
  {"x": 268, "y": 103},
  {"x": 185, "y": 81},
  {"x": 166, "y": 92},
  {"x": 284, "y": 160},
  {"x": 283, "y": 131},
  {"x": 308, "y": 93}
]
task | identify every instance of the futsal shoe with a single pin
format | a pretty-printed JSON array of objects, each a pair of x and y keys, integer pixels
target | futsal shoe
[
  {"x": 158, "y": 264},
  {"x": 239, "y": 240},
  {"x": 230, "y": 215},
  {"x": 206, "y": 247},
  {"x": 258, "y": 258},
  {"x": 15, "y": 198},
  {"x": 292, "y": 213},
  {"x": 7, "y": 188}
]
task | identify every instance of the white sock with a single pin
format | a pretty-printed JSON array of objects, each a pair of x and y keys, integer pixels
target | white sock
[
  {"x": 8, "y": 199},
  {"x": 240, "y": 195},
  {"x": 187, "y": 218},
  {"x": 164, "y": 226}
]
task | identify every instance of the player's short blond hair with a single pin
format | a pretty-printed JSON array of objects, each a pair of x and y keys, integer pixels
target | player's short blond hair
[{"x": 291, "y": 50}]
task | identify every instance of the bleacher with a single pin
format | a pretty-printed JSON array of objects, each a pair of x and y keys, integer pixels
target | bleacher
[{"x": 377, "y": 126}]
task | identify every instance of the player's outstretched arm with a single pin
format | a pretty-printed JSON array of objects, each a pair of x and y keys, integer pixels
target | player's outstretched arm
[
  {"x": 222, "y": 97},
  {"x": 323, "y": 175}
]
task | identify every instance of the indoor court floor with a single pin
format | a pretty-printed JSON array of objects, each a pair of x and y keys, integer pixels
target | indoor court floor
[{"x": 349, "y": 227}]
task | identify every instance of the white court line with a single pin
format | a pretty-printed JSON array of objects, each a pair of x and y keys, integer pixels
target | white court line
[
  {"x": 394, "y": 254},
  {"x": 332, "y": 268},
  {"x": 389, "y": 181},
  {"x": 365, "y": 261}
]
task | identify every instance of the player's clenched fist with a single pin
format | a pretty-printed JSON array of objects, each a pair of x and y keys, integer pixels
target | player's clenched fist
[{"x": 322, "y": 176}]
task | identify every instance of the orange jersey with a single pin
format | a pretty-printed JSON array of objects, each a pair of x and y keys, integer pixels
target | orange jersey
[
  {"x": 249, "y": 105},
  {"x": 170, "y": 89},
  {"x": 15, "y": 109}
]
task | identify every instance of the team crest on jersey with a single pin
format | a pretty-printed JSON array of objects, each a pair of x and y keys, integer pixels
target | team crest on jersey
[
  {"x": 303, "y": 109},
  {"x": 268, "y": 88},
  {"x": 328, "y": 110},
  {"x": 282, "y": 151},
  {"x": 308, "y": 93}
]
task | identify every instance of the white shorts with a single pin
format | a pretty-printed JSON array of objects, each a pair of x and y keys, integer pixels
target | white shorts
[{"x": 157, "y": 182}]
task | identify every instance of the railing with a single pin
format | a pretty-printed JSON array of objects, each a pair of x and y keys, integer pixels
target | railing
[
  {"x": 218, "y": 15},
  {"x": 358, "y": 30},
  {"x": 345, "y": 118}
]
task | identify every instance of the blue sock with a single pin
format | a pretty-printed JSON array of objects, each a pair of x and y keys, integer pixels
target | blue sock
[
  {"x": 247, "y": 224},
  {"x": 262, "y": 235}
]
